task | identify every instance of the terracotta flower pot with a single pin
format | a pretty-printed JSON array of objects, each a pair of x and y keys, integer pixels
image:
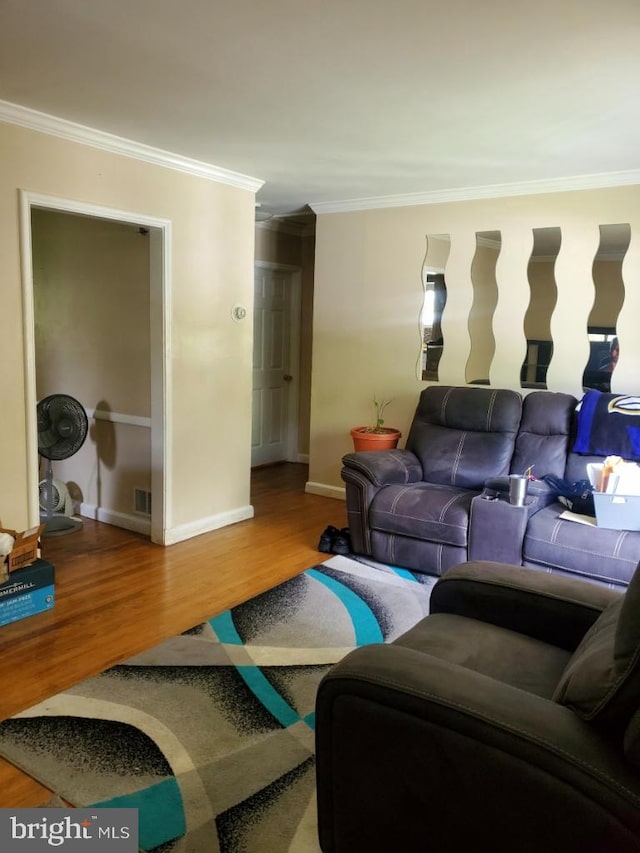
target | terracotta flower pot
[{"x": 364, "y": 438}]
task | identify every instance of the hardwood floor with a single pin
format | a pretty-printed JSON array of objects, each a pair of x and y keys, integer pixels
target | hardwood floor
[{"x": 117, "y": 594}]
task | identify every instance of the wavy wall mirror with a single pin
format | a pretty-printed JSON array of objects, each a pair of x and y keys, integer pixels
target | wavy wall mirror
[
  {"x": 608, "y": 284},
  {"x": 609, "y": 296},
  {"x": 485, "y": 299},
  {"x": 543, "y": 295},
  {"x": 434, "y": 301}
]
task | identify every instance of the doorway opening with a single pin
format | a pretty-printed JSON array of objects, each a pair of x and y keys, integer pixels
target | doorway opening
[{"x": 93, "y": 366}]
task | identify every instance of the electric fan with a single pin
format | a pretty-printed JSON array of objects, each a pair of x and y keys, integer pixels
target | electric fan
[
  {"x": 62, "y": 429},
  {"x": 60, "y": 499}
]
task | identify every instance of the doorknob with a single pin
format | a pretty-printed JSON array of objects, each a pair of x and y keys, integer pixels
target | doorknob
[{"x": 287, "y": 377}]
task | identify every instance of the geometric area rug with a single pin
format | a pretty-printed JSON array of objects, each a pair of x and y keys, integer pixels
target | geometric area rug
[{"x": 210, "y": 734}]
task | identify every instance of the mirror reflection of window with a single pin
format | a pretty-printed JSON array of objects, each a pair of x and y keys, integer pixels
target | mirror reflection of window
[
  {"x": 604, "y": 346},
  {"x": 543, "y": 295},
  {"x": 604, "y": 350},
  {"x": 435, "y": 298},
  {"x": 485, "y": 299}
]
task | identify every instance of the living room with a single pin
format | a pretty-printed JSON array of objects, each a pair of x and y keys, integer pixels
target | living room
[{"x": 364, "y": 290}]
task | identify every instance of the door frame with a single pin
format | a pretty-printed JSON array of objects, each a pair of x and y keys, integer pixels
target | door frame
[
  {"x": 160, "y": 348},
  {"x": 294, "y": 295}
]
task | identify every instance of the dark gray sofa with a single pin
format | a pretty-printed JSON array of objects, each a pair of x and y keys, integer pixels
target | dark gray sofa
[
  {"x": 507, "y": 720},
  {"x": 431, "y": 506}
]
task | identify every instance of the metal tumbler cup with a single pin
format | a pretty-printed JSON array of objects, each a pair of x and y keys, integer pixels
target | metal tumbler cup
[{"x": 517, "y": 489}]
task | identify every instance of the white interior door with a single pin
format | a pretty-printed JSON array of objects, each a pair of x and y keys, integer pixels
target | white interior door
[{"x": 274, "y": 382}]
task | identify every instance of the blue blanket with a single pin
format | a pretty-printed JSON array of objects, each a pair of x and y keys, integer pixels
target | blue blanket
[{"x": 609, "y": 425}]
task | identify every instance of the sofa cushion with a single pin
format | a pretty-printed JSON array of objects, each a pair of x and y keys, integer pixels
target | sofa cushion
[
  {"x": 507, "y": 656},
  {"x": 601, "y": 682},
  {"x": 421, "y": 555},
  {"x": 608, "y": 555},
  {"x": 544, "y": 433},
  {"x": 464, "y": 435},
  {"x": 424, "y": 511}
]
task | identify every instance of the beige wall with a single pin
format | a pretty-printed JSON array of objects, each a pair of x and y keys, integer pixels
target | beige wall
[
  {"x": 368, "y": 296},
  {"x": 91, "y": 283},
  {"x": 212, "y": 250},
  {"x": 279, "y": 247}
]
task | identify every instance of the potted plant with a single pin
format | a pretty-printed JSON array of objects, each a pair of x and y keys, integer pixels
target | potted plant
[{"x": 378, "y": 436}]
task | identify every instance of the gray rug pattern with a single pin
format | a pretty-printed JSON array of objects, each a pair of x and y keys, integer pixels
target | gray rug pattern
[{"x": 211, "y": 733}]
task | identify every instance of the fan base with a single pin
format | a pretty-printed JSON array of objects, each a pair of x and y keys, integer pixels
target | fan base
[{"x": 58, "y": 525}]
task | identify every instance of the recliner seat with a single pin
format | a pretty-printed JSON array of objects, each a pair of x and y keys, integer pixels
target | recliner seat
[
  {"x": 411, "y": 507},
  {"x": 508, "y": 719}
]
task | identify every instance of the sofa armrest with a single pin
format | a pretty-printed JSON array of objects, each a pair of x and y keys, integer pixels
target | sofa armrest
[
  {"x": 364, "y": 474},
  {"x": 385, "y": 467},
  {"x": 539, "y": 493},
  {"x": 412, "y": 749},
  {"x": 549, "y": 607},
  {"x": 496, "y": 529}
]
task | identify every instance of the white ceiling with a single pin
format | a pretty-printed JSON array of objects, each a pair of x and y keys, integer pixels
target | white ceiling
[{"x": 340, "y": 100}]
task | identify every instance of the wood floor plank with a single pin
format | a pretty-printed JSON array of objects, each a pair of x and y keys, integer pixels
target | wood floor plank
[{"x": 118, "y": 594}]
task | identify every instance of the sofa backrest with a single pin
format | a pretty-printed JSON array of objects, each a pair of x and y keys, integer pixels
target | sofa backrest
[
  {"x": 464, "y": 435},
  {"x": 601, "y": 682},
  {"x": 545, "y": 432},
  {"x": 577, "y": 465}
]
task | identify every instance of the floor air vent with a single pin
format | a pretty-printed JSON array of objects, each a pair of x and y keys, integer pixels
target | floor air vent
[{"x": 142, "y": 501}]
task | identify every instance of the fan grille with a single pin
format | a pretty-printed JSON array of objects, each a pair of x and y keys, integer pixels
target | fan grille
[
  {"x": 62, "y": 426},
  {"x": 57, "y": 501}
]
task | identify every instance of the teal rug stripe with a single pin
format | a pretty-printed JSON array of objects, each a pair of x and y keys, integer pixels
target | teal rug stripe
[
  {"x": 252, "y": 676},
  {"x": 365, "y": 624},
  {"x": 405, "y": 574},
  {"x": 225, "y": 629},
  {"x": 160, "y": 812},
  {"x": 268, "y": 695},
  {"x": 366, "y": 630}
]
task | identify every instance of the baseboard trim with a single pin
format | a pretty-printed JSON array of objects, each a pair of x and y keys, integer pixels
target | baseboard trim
[
  {"x": 206, "y": 525},
  {"x": 141, "y": 524},
  {"x": 135, "y": 523},
  {"x": 325, "y": 491},
  {"x": 303, "y": 457}
]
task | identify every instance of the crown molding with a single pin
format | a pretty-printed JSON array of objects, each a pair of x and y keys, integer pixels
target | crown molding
[
  {"x": 496, "y": 245},
  {"x": 553, "y": 185},
  {"x": 54, "y": 126}
]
